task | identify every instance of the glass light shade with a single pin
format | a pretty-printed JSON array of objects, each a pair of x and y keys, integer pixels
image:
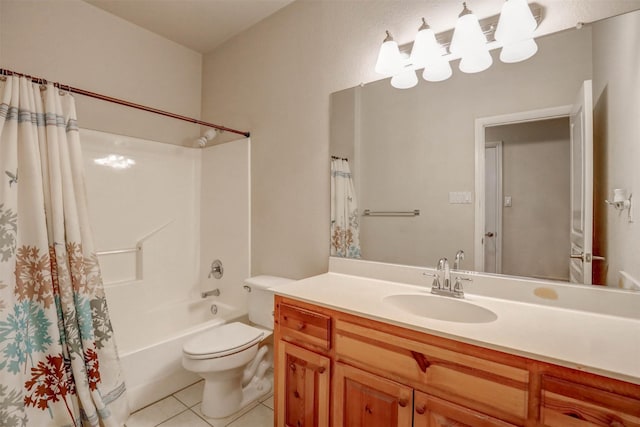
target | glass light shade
[
  {"x": 389, "y": 61},
  {"x": 405, "y": 80},
  {"x": 425, "y": 48},
  {"x": 476, "y": 62},
  {"x": 518, "y": 51},
  {"x": 516, "y": 22},
  {"x": 468, "y": 37},
  {"x": 437, "y": 71}
]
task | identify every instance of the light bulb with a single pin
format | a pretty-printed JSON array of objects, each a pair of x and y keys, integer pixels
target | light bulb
[
  {"x": 515, "y": 31},
  {"x": 470, "y": 44},
  {"x": 437, "y": 71},
  {"x": 389, "y": 61},
  {"x": 518, "y": 51},
  {"x": 405, "y": 80}
]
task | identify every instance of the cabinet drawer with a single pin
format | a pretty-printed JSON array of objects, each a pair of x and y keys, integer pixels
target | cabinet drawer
[
  {"x": 430, "y": 411},
  {"x": 484, "y": 385},
  {"x": 305, "y": 325},
  {"x": 568, "y": 404}
]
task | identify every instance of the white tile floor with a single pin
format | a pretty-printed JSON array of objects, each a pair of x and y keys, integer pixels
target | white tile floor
[{"x": 182, "y": 409}]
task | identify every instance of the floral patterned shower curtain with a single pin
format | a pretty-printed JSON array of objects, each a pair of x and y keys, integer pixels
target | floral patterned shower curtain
[
  {"x": 345, "y": 229},
  {"x": 58, "y": 360}
]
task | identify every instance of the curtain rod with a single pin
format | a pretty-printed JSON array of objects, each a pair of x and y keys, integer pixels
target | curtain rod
[{"x": 4, "y": 72}]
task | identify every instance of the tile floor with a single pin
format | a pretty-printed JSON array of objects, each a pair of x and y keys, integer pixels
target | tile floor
[{"x": 182, "y": 409}]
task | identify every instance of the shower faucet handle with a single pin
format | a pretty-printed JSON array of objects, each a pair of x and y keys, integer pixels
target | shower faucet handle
[{"x": 217, "y": 270}]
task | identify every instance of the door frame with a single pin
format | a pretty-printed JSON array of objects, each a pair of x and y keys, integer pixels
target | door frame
[
  {"x": 480, "y": 127},
  {"x": 499, "y": 203}
]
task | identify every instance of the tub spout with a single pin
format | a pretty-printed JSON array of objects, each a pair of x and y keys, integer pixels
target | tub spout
[{"x": 215, "y": 292}]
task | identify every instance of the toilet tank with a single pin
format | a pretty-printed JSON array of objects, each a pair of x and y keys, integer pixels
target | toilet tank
[{"x": 261, "y": 298}]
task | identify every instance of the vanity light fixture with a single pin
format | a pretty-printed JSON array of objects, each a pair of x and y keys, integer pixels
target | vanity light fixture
[
  {"x": 405, "y": 79},
  {"x": 390, "y": 62},
  {"x": 427, "y": 53},
  {"x": 470, "y": 41},
  {"x": 515, "y": 31}
]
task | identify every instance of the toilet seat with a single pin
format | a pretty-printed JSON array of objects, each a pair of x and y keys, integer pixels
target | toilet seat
[{"x": 222, "y": 341}]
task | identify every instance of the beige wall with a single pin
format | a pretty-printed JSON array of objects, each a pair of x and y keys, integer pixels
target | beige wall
[
  {"x": 616, "y": 88},
  {"x": 535, "y": 229},
  {"x": 275, "y": 79},
  {"x": 78, "y": 44}
]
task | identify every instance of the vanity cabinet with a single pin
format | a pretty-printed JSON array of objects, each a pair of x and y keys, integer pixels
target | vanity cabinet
[
  {"x": 303, "y": 378},
  {"x": 362, "y": 399},
  {"x": 385, "y": 375},
  {"x": 431, "y": 411}
]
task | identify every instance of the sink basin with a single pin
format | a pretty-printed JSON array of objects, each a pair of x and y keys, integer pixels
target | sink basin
[{"x": 441, "y": 308}]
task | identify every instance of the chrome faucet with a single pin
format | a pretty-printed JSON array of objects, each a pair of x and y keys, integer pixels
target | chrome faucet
[
  {"x": 442, "y": 278},
  {"x": 458, "y": 261},
  {"x": 214, "y": 292},
  {"x": 443, "y": 266}
]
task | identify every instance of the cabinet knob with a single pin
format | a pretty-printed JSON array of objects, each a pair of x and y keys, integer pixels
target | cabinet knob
[
  {"x": 300, "y": 326},
  {"x": 421, "y": 410},
  {"x": 321, "y": 369},
  {"x": 403, "y": 403},
  {"x": 368, "y": 409},
  {"x": 292, "y": 367}
]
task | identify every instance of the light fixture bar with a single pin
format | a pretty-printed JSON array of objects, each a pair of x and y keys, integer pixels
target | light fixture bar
[{"x": 488, "y": 26}]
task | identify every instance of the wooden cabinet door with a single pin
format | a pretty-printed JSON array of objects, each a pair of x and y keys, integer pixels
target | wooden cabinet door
[
  {"x": 430, "y": 411},
  {"x": 302, "y": 387},
  {"x": 362, "y": 399}
]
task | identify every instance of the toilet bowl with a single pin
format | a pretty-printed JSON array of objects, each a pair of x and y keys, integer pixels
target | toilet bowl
[{"x": 231, "y": 358}]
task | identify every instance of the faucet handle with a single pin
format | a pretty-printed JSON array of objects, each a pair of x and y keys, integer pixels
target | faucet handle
[
  {"x": 436, "y": 279},
  {"x": 457, "y": 286}
]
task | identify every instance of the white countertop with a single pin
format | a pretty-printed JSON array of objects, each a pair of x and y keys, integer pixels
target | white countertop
[{"x": 599, "y": 343}]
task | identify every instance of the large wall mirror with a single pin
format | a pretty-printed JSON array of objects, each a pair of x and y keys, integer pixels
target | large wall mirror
[{"x": 483, "y": 163}]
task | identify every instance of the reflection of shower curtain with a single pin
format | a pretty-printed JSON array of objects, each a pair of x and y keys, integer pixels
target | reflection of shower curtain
[
  {"x": 58, "y": 360},
  {"x": 345, "y": 230}
]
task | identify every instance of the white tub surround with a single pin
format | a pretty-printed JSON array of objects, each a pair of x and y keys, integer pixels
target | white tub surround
[{"x": 567, "y": 325}]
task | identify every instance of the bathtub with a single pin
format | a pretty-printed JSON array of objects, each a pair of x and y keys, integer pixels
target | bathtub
[{"x": 151, "y": 351}]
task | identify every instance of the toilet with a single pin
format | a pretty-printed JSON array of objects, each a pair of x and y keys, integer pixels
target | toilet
[{"x": 230, "y": 358}]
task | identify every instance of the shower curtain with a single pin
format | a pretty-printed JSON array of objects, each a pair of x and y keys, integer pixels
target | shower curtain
[
  {"x": 58, "y": 360},
  {"x": 345, "y": 229}
]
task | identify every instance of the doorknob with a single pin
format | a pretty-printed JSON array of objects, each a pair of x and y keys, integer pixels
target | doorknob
[
  {"x": 489, "y": 234},
  {"x": 586, "y": 258}
]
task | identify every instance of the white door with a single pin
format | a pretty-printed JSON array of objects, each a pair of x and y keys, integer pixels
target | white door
[
  {"x": 493, "y": 207},
  {"x": 581, "y": 122}
]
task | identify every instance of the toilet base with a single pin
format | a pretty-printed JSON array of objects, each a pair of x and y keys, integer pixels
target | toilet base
[{"x": 221, "y": 399}]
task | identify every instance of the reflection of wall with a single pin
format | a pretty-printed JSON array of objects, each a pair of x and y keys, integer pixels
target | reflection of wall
[
  {"x": 616, "y": 88},
  {"x": 535, "y": 229},
  {"x": 418, "y": 145}
]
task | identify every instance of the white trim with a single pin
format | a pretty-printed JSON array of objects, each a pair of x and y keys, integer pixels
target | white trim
[
  {"x": 480, "y": 125},
  {"x": 499, "y": 202}
]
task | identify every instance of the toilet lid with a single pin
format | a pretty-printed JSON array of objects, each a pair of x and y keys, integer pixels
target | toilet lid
[{"x": 222, "y": 341}]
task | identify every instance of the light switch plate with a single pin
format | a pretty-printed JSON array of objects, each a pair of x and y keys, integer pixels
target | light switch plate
[
  {"x": 460, "y": 197},
  {"x": 507, "y": 201}
]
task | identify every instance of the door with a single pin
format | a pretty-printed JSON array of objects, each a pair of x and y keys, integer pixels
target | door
[
  {"x": 366, "y": 400},
  {"x": 303, "y": 387},
  {"x": 431, "y": 411},
  {"x": 581, "y": 123},
  {"x": 493, "y": 207}
]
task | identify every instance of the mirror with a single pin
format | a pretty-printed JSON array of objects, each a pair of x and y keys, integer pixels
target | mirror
[{"x": 414, "y": 150}]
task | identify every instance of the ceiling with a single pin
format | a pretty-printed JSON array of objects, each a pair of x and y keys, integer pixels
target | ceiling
[
  {"x": 203, "y": 25},
  {"x": 200, "y": 25}
]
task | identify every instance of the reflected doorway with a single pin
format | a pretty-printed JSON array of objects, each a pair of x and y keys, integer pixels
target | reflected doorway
[{"x": 527, "y": 199}]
